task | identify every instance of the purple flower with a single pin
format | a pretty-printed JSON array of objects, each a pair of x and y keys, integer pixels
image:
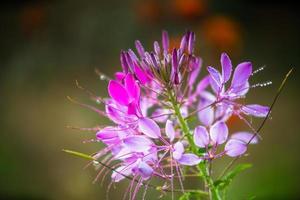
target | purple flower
[
  {"x": 150, "y": 102},
  {"x": 226, "y": 98},
  {"x": 239, "y": 83},
  {"x": 182, "y": 158},
  {"x": 217, "y": 135},
  {"x": 149, "y": 128},
  {"x": 137, "y": 168},
  {"x": 189, "y": 159},
  {"x": 237, "y": 144},
  {"x": 138, "y": 143}
]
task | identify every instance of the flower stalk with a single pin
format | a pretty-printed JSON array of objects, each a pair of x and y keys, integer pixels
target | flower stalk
[
  {"x": 182, "y": 122},
  {"x": 202, "y": 167}
]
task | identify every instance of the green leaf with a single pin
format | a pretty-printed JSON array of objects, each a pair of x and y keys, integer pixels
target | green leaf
[
  {"x": 195, "y": 195},
  {"x": 185, "y": 196},
  {"x": 227, "y": 178},
  {"x": 75, "y": 153}
]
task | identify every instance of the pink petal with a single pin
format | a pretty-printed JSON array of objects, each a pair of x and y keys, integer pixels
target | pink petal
[
  {"x": 178, "y": 150},
  {"x": 245, "y": 137},
  {"x": 132, "y": 108},
  {"x": 170, "y": 132},
  {"x": 160, "y": 115},
  {"x": 219, "y": 132},
  {"x": 120, "y": 76},
  {"x": 141, "y": 74},
  {"x": 201, "y": 136},
  {"x": 191, "y": 42},
  {"x": 175, "y": 67},
  {"x": 138, "y": 143},
  {"x": 165, "y": 41},
  {"x": 149, "y": 128},
  {"x": 122, "y": 153},
  {"x": 208, "y": 97},
  {"x": 206, "y": 114},
  {"x": 215, "y": 76},
  {"x": 132, "y": 87},
  {"x": 156, "y": 48},
  {"x": 129, "y": 59},
  {"x": 241, "y": 74},
  {"x": 189, "y": 159},
  {"x": 118, "y": 92},
  {"x": 195, "y": 72},
  {"x": 202, "y": 85},
  {"x": 113, "y": 114},
  {"x": 151, "y": 154},
  {"x": 120, "y": 173},
  {"x": 145, "y": 104},
  {"x": 256, "y": 110},
  {"x": 145, "y": 170},
  {"x": 183, "y": 42},
  {"x": 226, "y": 67},
  {"x": 214, "y": 86},
  {"x": 223, "y": 111},
  {"x": 241, "y": 90},
  {"x": 133, "y": 57},
  {"x": 108, "y": 135},
  {"x": 114, "y": 111},
  {"x": 184, "y": 111},
  {"x": 235, "y": 148},
  {"x": 124, "y": 63},
  {"x": 139, "y": 47}
]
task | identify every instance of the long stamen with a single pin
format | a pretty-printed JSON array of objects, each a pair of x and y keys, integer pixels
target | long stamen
[
  {"x": 258, "y": 70},
  {"x": 88, "y": 106},
  {"x": 102, "y": 76},
  {"x": 261, "y": 84}
]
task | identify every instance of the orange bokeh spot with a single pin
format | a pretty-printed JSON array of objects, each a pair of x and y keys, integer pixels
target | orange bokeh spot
[
  {"x": 32, "y": 18},
  {"x": 222, "y": 33},
  {"x": 233, "y": 121},
  {"x": 174, "y": 42},
  {"x": 189, "y": 8},
  {"x": 148, "y": 10}
]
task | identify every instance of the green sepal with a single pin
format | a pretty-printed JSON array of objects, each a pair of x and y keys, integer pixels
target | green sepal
[{"x": 79, "y": 154}]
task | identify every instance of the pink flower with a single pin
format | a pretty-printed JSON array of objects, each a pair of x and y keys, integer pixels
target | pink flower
[
  {"x": 149, "y": 103},
  {"x": 217, "y": 135},
  {"x": 238, "y": 89}
]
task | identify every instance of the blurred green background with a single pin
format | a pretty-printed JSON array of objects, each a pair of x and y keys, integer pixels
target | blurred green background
[{"x": 47, "y": 45}]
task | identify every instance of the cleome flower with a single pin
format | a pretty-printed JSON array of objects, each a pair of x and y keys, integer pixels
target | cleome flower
[
  {"x": 217, "y": 135},
  {"x": 149, "y": 104},
  {"x": 225, "y": 100}
]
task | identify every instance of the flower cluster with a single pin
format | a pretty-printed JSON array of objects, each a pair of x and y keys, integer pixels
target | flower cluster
[{"x": 151, "y": 101}]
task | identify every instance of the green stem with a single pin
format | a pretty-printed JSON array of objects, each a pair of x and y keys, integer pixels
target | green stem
[
  {"x": 214, "y": 193},
  {"x": 182, "y": 122}
]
